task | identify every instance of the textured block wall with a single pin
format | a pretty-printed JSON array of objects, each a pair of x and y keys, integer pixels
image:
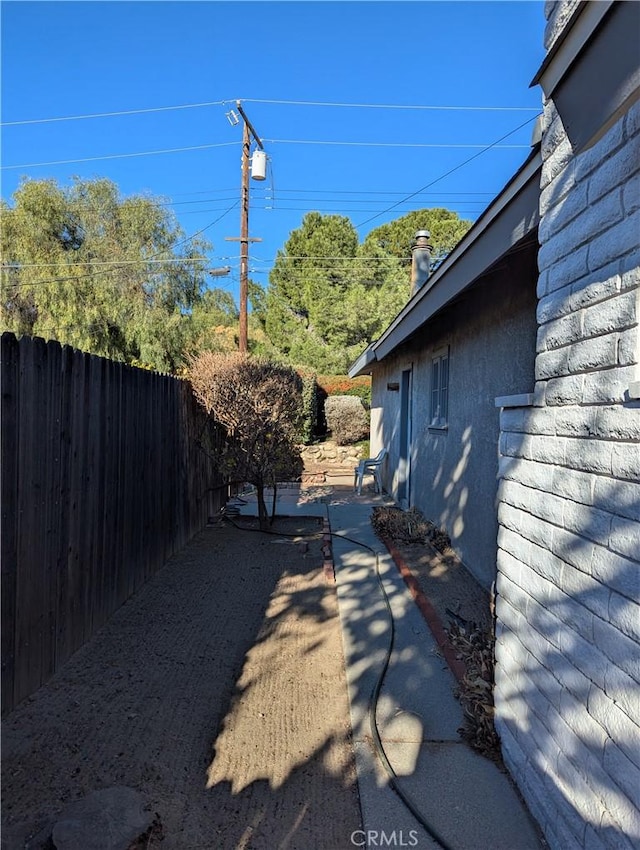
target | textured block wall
[{"x": 568, "y": 654}]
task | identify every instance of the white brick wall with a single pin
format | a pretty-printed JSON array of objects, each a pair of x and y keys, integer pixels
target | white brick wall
[
  {"x": 568, "y": 631},
  {"x": 557, "y": 13}
]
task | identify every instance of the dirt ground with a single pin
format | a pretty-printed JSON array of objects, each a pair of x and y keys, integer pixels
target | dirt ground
[
  {"x": 218, "y": 691},
  {"x": 450, "y": 587}
]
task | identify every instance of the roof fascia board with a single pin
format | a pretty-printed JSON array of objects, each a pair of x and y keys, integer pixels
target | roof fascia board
[
  {"x": 420, "y": 308},
  {"x": 570, "y": 44},
  {"x": 362, "y": 366},
  {"x": 603, "y": 81}
]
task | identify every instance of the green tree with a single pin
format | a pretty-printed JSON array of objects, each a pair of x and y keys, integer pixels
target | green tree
[
  {"x": 396, "y": 237},
  {"x": 213, "y": 322},
  {"x": 329, "y": 296},
  {"x": 305, "y": 316},
  {"x": 257, "y": 303},
  {"x": 390, "y": 245},
  {"x": 109, "y": 275}
]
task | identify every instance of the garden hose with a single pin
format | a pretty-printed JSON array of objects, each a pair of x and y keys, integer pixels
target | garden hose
[
  {"x": 404, "y": 797},
  {"x": 373, "y": 707}
]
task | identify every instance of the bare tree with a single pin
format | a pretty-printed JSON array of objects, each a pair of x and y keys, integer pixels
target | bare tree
[{"x": 260, "y": 405}]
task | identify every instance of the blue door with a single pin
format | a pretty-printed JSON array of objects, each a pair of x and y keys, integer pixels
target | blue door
[{"x": 404, "y": 457}]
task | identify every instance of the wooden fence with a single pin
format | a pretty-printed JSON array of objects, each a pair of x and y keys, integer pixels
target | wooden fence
[{"x": 104, "y": 477}]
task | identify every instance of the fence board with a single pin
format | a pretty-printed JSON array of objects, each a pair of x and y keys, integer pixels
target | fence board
[
  {"x": 102, "y": 482},
  {"x": 111, "y": 404},
  {"x": 121, "y": 507},
  {"x": 10, "y": 360},
  {"x": 50, "y": 501},
  {"x": 29, "y": 594},
  {"x": 94, "y": 486},
  {"x": 62, "y": 635}
]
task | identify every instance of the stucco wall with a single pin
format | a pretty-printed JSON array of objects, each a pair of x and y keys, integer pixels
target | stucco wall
[
  {"x": 568, "y": 660},
  {"x": 491, "y": 337}
]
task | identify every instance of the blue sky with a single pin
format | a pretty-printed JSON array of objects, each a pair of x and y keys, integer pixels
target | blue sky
[{"x": 282, "y": 59}]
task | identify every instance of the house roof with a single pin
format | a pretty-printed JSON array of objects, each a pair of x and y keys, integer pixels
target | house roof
[{"x": 509, "y": 218}]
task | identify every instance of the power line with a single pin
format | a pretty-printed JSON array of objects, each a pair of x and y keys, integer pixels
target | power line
[
  {"x": 308, "y": 257},
  {"x": 103, "y": 324},
  {"x": 339, "y": 264},
  {"x": 211, "y": 223},
  {"x": 297, "y": 279},
  {"x": 112, "y": 114},
  {"x": 57, "y": 280},
  {"x": 343, "y": 200},
  {"x": 394, "y": 106},
  {"x": 119, "y": 264},
  {"x": 120, "y": 155},
  {"x": 274, "y": 102},
  {"x": 202, "y": 201},
  {"x": 438, "y": 259},
  {"x": 327, "y": 210},
  {"x": 446, "y": 145},
  {"x": 370, "y": 192},
  {"x": 206, "y": 191},
  {"x": 74, "y": 278},
  {"x": 313, "y": 208},
  {"x": 446, "y": 174},
  {"x": 327, "y": 142},
  {"x": 18, "y": 267},
  {"x": 21, "y": 284},
  {"x": 334, "y": 143},
  {"x": 467, "y": 198},
  {"x": 315, "y": 200},
  {"x": 258, "y": 188}
]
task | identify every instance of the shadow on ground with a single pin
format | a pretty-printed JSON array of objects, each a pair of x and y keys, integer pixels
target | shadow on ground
[{"x": 217, "y": 691}]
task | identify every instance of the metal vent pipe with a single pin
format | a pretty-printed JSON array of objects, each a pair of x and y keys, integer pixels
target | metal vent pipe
[{"x": 421, "y": 252}]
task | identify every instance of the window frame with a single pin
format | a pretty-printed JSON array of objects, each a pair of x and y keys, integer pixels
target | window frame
[{"x": 439, "y": 389}]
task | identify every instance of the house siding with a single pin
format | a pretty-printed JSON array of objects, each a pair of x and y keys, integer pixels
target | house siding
[
  {"x": 568, "y": 618},
  {"x": 491, "y": 334}
]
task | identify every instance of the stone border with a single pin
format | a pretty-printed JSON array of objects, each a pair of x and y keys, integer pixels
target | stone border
[{"x": 429, "y": 613}]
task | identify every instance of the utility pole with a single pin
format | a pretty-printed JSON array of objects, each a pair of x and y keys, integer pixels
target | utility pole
[{"x": 247, "y": 132}]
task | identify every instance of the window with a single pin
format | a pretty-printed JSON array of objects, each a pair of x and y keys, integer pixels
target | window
[{"x": 440, "y": 389}]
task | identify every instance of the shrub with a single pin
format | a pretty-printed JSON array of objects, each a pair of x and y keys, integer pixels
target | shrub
[
  {"x": 347, "y": 419},
  {"x": 344, "y": 385},
  {"x": 312, "y": 415},
  {"x": 259, "y": 405}
]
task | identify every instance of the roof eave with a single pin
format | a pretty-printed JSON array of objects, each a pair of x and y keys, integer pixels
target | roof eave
[
  {"x": 362, "y": 366},
  {"x": 428, "y": 299}
]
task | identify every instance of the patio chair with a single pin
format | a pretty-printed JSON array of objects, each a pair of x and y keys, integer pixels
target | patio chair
[{"x": 369, "y": 466}]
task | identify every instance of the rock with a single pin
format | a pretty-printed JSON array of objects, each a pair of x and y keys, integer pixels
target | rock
[
  {"x": 109, "y": 819},
  {"x": 328, "y": 454}
]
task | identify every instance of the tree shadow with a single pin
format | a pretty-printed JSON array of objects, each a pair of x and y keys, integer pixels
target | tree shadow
[
  {"x": 567, "y": 650},
  {"x": 144, "y": 701},
  {"x": 316, "y": 805},
  {"x": 458, "y": 793}
]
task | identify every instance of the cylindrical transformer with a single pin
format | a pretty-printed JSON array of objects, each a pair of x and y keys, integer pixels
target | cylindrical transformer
[{"x": 259, "y": 165}]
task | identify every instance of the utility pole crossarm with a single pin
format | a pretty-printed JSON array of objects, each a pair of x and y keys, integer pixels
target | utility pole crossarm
[{"x": 249, "y": 125}]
